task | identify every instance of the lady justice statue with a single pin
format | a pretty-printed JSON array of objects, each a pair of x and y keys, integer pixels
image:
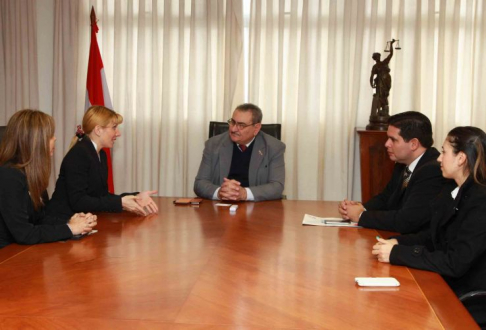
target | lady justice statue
[{"x": 380, "y": 79}]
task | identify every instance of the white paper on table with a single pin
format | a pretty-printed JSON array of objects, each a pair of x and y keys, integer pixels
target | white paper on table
[{"x": 312, "y": 220}]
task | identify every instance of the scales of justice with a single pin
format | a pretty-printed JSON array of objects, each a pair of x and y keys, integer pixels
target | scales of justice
[{"x": 381, "y": 81}]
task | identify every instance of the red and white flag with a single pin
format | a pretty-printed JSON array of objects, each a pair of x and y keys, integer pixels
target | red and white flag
[{"x": 97, "y": 92}]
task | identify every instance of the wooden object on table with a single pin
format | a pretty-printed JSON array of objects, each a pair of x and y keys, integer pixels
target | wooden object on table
[
  {"x": 204, "y": 267},
  {"x": 376, "y": 167}
]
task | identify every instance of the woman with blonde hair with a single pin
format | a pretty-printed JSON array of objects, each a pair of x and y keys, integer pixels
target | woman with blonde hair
[
  {"x": 455, "y": 244},
  {"x": 25, "y": 165},
  {"x": 82, "y": 184}
]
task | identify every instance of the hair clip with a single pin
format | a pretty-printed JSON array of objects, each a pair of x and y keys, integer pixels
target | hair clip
[{"x": 79, "y": 132}]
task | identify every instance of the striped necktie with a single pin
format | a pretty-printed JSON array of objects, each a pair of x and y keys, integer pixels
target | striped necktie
[{"x": 406, "y": 177}]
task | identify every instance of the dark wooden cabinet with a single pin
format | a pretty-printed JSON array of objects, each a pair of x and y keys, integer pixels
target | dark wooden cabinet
[{"x": 376, "y": 167}]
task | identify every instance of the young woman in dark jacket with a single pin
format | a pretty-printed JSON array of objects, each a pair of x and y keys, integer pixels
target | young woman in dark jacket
[
  {"x": 82, "y": 184},
  {"x": 25, "y": 166}
]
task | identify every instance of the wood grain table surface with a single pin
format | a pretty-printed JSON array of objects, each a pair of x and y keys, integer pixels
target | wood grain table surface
[{"x": 205, "y": 268}]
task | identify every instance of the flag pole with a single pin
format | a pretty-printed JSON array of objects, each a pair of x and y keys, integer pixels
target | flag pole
[{"x": 97, "y": 92}]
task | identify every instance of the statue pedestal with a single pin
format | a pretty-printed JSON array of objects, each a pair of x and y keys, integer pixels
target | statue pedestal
[
  {"x": 379, "y": 117},
  {"x": 378, "y": 123}
]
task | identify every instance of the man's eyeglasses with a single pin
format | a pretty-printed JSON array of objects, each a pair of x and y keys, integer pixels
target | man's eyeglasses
[{"x": 241, "y": 126}]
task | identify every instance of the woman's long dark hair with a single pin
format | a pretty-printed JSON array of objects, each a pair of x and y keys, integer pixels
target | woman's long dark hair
[
  {"x": 472, "y": 142},
  {"x": 25, "y": 146}
]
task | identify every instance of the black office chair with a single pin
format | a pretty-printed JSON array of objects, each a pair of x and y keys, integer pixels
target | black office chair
[
  {"x": 218, "y": 127},
  {"x": 2, "y": 132},
  {"x": 475, "y": 303}
]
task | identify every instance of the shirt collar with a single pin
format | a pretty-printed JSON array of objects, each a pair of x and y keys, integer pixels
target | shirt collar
[
  {"x": 96, "y": 148},
  {"x": 413, "y": 164},
  {"x": 454, "y": 193},
  {"x": 248, "y": 144},
  {"x": 95, "y": 145}
]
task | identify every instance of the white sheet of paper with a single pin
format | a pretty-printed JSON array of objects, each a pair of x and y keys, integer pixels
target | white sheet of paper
[{"x": 312, "y": 220}]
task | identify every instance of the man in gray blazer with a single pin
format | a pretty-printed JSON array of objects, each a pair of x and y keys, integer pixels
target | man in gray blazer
[{"x": 244, "y": 164}]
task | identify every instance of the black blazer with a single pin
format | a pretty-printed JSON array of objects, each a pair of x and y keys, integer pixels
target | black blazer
[
  {"x": 455, "y": 244},
  {"x": 82, "y": 184},
  {"x": 406, "y": 211},
  {"x": 19, "y": 222}
]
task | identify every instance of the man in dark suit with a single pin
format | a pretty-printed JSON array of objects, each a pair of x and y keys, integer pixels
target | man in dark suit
[
  {"x": 403, "y": 206},
  {"x": 244, "y": 164}
]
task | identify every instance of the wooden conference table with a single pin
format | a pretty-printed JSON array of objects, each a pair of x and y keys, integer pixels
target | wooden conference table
[{"x": 204, "y": 268}]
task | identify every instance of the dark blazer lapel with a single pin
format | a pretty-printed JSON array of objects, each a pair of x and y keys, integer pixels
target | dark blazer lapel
[
  {"x": 452, "y": 210},
  {"x": 400, "y": 184},
  {"x": 397, "y": 194},
  {"x": 92, "y": 151},
  {"x": 442, "y": 215},
  {"x": 225, "y": 156},
  {"x": 97, "y": 161},
  {"x": 103, "y": 168},
  {"x": 257, "y": 155},
  {"x": 429, "y": 154}
]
